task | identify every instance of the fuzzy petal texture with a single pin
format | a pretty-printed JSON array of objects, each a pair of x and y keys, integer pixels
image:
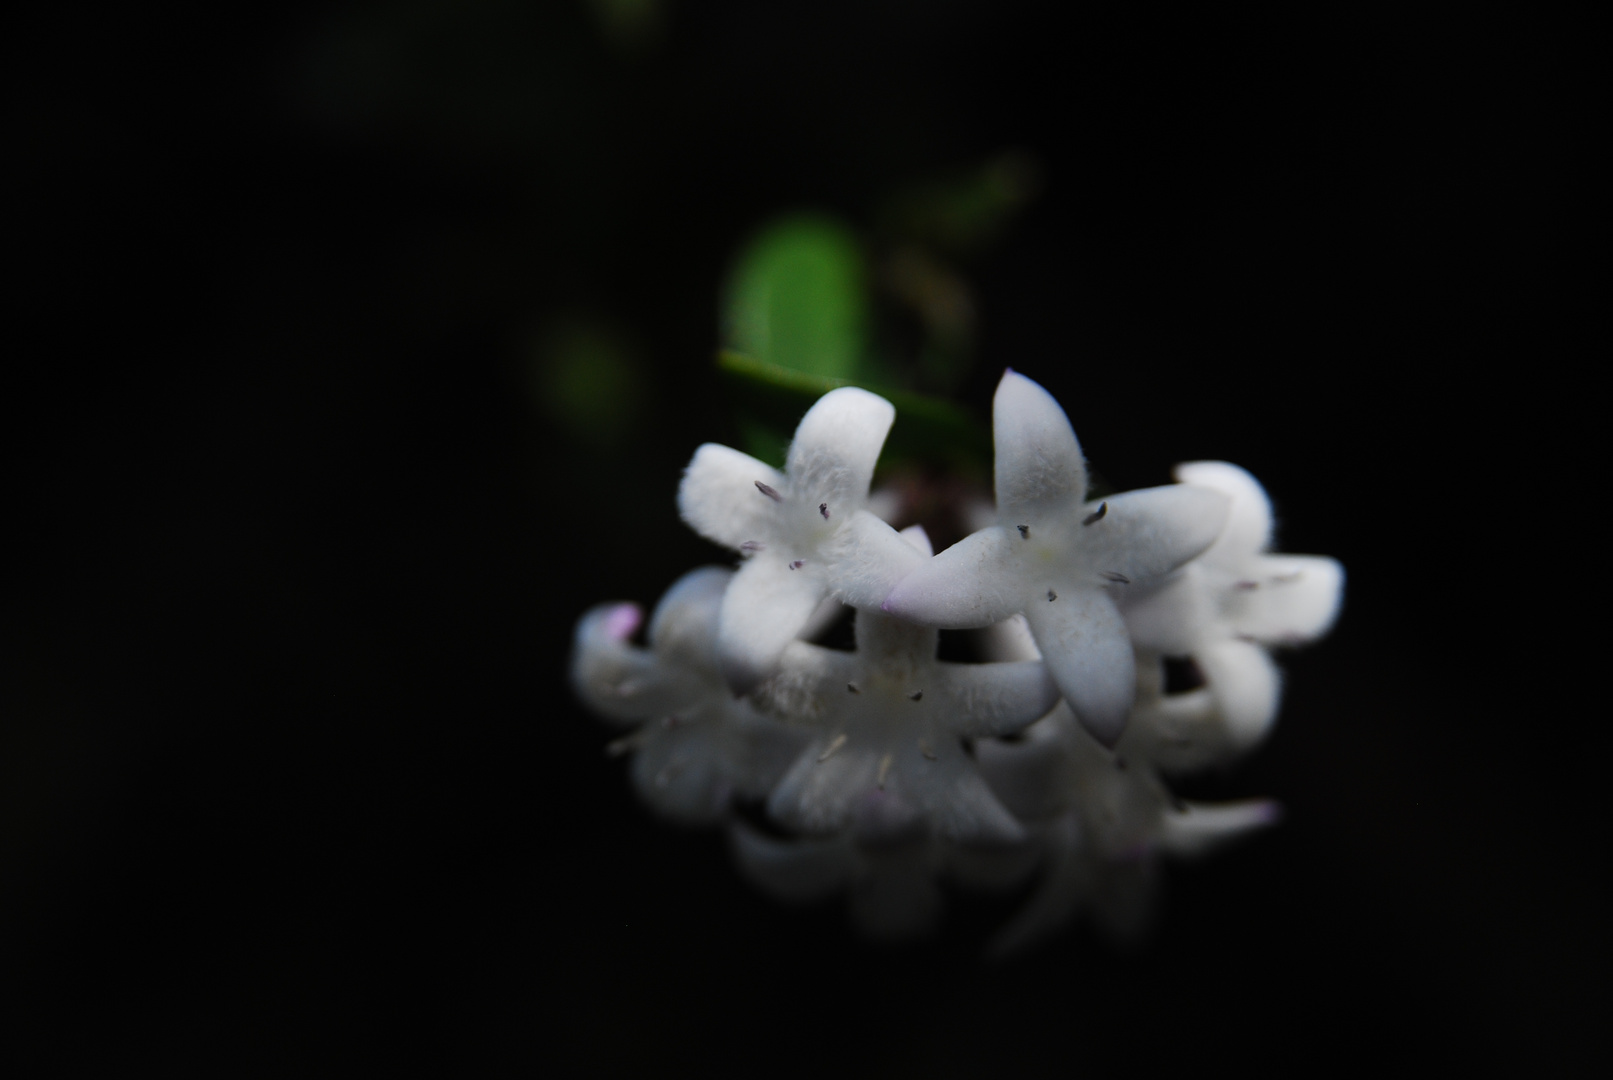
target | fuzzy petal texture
[
  {"x": 1038, "y": 460},
  {"x": 836, "y": 446},
  {"x": 1084, "y": 644},
  {"x": 1146, "y": 534},
  {"x": 763, "y": 610},
  {"x": 719, "y": 499},
  {"x": 975, "y": 582},
  {"x": 1294, "y": 599},
  {"x": 866, "y": 558}
]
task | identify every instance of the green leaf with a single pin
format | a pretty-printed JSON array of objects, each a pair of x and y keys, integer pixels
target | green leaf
[{"x": 797, "y": 298}]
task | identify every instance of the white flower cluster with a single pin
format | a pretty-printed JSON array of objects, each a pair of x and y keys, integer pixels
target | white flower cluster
[{"x": 883, "y": 770}]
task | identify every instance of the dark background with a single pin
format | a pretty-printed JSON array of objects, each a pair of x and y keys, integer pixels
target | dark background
[{"x": 290, "y": 777}]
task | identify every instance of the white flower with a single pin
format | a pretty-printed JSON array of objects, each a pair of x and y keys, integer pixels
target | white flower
[
  {"x": 697, "y": 745},
  {"x": 1229, "y": 602},
  {"x": 1059, "y": 559},
  {"x": 1101, "y": 820},
  {"x": 887, "y": 761},
  {"x": 806, "y": 532}
]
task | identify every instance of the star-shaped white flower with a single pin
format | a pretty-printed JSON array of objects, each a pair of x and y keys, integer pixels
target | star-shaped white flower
[
  {"x": 806, "y": 532},
  {"x": 1060, "y": 559},
  {"x": 1231, "y": 601},
  {"x": 888, "y": 761},
  {"x": 694, "y": 744}
]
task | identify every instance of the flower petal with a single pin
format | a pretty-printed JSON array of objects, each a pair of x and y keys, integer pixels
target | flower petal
[
  {"x": 1247, "y": 687},
  {"x": 836, "y": 446},
  {"x": 1248, "y": 529},
  {"x": 820, "y": 793},
  {"x": 765, "y": 606},
  {"x": 975, "y": 582},
  {"x": 1144, "y": 535},
  {"x": 1038, "y": 458},
  {"x": 617, "y": 679},
  {"x": 1084, "y": 644},
  {"x": 1204, "y": 827},
  {"x": 865, "y": 559},
  {"x": 1295, "y": 599},
  {"x": 677, "y": 772},
  {"x": 996, "y": 699},
  {"x": 719, "y": 499},
  {"x": 684, "y": 625}
]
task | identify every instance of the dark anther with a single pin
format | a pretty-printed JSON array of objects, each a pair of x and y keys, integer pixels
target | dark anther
[
  {"x": 916, "y": 695},
  {"x": 751, "y": 545},
  {"x": 1117, "y": 577},
  {"x": 1025, "y": 532},
  {"x": 1247, "y": 585},
  {"x": 1096, "y": 515},
  {"x": 769, "y": 492},
  {"x": 797, "y": 564},
  {"x": 853, "y": 688},
  {"x": 823, "y": 508},
  {"x": 1051, "y": 596}
]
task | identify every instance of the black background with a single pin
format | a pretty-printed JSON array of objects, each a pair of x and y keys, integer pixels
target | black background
[{"x": 289, "y": 774}]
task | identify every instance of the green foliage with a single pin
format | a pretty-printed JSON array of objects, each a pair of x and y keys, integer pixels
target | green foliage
[{"x": 797, "y": 298}]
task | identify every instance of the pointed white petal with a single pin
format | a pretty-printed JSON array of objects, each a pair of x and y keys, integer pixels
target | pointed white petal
[
  {"x": 832, "y": 457},
  {"x": 1144, "y": 535},
  {"x": 975, "y": 582},
  {"x": 865, "y": 558},
  {"x": 684, "y": 625},
  {"x": 719, "y": 499},
  {"x": 969, "y": 811},
  {"x": 1011, "y": 640},
  {"x": 1248, "y": 529},
  {"x": 1038, "y": 459},
  {"x": 805, "y": 684},
  {"x": 996, "y": 699},
  {"x": 1294, "y": 599},
  {"x": 1084, "y": 644},
  {"x": 765, "y": 606},
  {"x": 1204, "y": 827},
  {"x": 797, "y": 872},
  {"x": 1246, "y": 686}
]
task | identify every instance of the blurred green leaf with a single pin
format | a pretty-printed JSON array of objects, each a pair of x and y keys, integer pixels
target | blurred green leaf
[
  {"x": 928, "y": 430},
  {"x": 797, "y": 298}
]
